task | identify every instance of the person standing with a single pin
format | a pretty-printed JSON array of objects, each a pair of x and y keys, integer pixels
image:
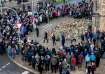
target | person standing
[
  {"x": 68, "y": 70},
  {"x": 73, "y": 62},
  {"x": 37, "y": 31},
  {"x": 1, "y": 48},
  {"x": 47, "y": 62},
  {"x": 98, "y": 59},
  {"x": 87, "y": 59},
  {"x": 88, "y": 70},
  {"x": 60, "y": 67},
  {"x": 53, "y": 39},
  {"x": 93, "y": 67},
  {"x": 93, "y": 57},
  {"x": 33, "y": 62},
  {"x": 80, "y": 60},
  {"x": 62, "y": 39},
  {"x": 40, "y": 66},
  {"x": 45, "y": 37},
  {"x": 54, "y": 64}
]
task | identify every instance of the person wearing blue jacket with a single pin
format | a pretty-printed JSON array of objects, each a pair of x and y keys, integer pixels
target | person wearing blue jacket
[
  {"x": 87, "y": 59},
  {"x": 93, "y": 62},
  {"x": 93, "y": 57}
]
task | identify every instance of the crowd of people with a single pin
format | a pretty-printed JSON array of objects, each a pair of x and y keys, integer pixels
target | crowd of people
[
  {"x": 8, "y": 33},
  {"x": 64, "y": 59},
  {"x": 48, "y": 10}
]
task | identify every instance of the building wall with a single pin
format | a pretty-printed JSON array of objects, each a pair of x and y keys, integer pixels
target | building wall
[
  {"x": 99, "y": 7},
  {"x": 102, "y": 7},
  {"x": 102, "y": 13},
  {"x": 102, "y": 24}
]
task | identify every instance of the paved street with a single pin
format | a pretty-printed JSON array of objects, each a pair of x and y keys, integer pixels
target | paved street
[
  {"x": 8, "y": 67},
  {"x": 3, "y": 60}
]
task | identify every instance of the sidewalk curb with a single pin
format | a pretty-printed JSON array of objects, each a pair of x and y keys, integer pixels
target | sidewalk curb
[
  {"x": 30, "y": 70},
  {"x": 15, "y": 62}
]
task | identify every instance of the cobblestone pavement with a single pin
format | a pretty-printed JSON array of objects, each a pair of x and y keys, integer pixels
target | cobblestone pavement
[{"x": 51, "y": 27}]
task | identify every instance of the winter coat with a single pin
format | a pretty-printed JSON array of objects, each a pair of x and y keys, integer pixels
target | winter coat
[
  {"x": 73, "y": 60},
  {"x": 92, "y": 57},
  {"x": 87, "y": 58},
  {"x": 53, "y": 60}
]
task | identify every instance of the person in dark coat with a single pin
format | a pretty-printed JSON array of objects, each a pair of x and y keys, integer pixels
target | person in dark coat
[
  {"x": 25, "y": 40},
  {"x": 53, "y": 40},
  {"x": 2, "y": 48},
  {"x": 60, "y": 67},
  {"x": 18, "y": 1},
  {"x": 88, "y": 69},
  {"x": 33, "y": 62},
  {"x": 45, "y": 37},
  {"x": 40, "y": 66},
  {"x": 93, "y": 67},
  {"x": 37, "y": 31},
  {"x": 47, "y": 62},
  {"x": 63, "y": 40},
  {"x": 97, "y": 59}
]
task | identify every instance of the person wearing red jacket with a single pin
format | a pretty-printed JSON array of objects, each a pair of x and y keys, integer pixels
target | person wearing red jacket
[{"x": 73, "y": 62}]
